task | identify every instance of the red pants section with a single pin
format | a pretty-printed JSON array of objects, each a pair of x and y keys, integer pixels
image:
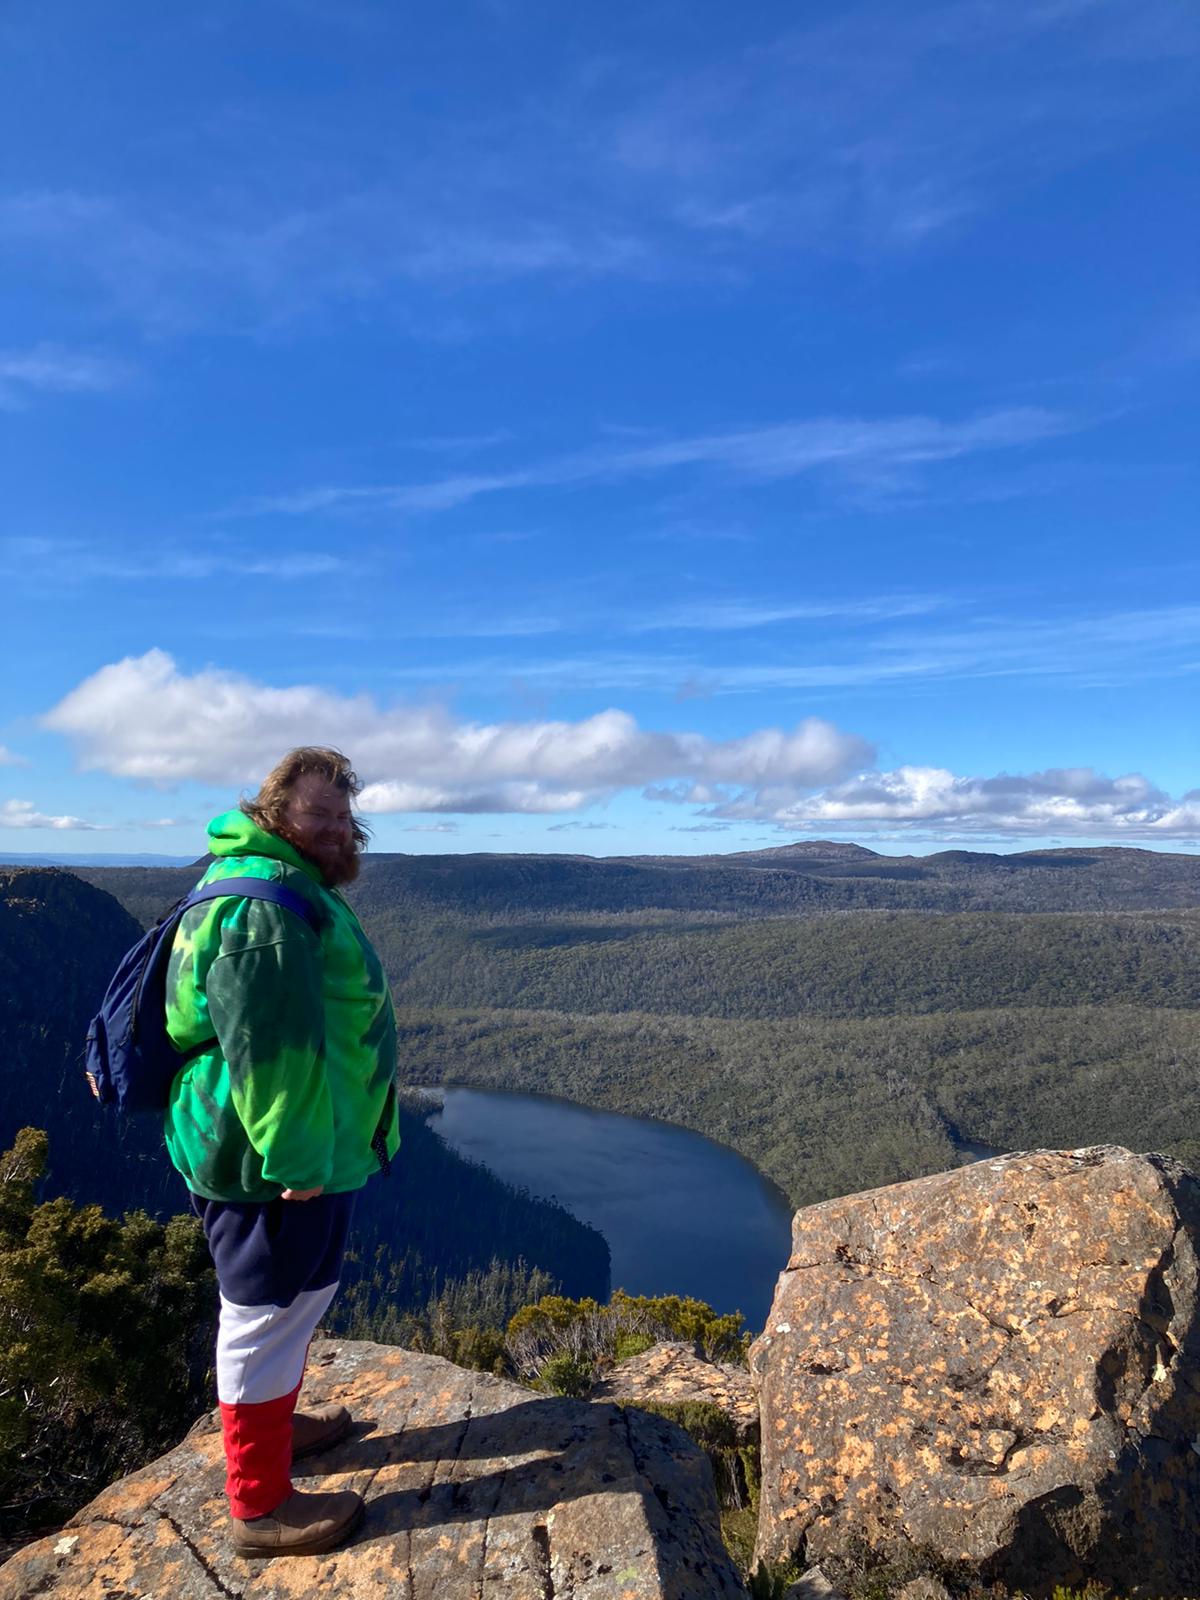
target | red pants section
[{"x": 258, "y": 1454}]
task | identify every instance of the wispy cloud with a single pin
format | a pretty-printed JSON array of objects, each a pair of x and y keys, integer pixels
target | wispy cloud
[
  {"x": 867, "y": 132},
  {"x": 50, "y": 369},
  {"x": 256, "y": 265},
  {"x": 70, "y": 562},
  {"x": 459, "y": 443},
  {"x": 725, "y": 616},
  {"x": 10, "y": 758},
  {"x": 1097, "y": 650},
  {"x": 874, "y": 450}
]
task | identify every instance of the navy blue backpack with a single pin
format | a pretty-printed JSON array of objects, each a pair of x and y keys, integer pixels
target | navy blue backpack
[{"x": 130, "y": 1061}]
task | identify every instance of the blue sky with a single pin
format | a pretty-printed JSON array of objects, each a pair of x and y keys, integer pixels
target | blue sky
[{"x": 623, "y": 428}]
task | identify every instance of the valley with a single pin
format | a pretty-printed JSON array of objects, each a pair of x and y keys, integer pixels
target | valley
[{"x": 839, "y": 1017}]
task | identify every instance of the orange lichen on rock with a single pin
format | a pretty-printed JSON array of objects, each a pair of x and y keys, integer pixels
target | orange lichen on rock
[{"x": 1023, "y": 1330}]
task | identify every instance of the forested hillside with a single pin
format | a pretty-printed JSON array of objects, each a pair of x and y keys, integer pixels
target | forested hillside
[
  {"x": 828, "y": 1107},
  {"x": 59, "y": 942},
  {"x": 849, "y": 965}
]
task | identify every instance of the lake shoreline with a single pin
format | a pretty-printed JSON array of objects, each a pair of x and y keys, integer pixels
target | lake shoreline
[{"x": 681, "y": 1213}]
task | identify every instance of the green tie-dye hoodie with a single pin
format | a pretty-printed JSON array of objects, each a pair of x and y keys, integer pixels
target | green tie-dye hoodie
[{"x": 300, "y": 1075}]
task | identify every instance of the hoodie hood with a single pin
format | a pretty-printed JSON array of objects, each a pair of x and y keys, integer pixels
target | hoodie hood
[{"x": 233, "y": 833}]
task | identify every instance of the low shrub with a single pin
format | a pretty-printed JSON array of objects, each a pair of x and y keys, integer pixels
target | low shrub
[
  {"x": 566, "y": 1374},
  {"x": 597, "y": 1336}
]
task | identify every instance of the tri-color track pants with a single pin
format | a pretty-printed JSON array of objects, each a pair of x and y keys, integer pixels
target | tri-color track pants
[{"x": 278, "y": 1264}]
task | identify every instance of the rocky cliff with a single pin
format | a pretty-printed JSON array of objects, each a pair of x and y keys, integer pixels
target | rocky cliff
[{"x": 473, "y": 1485}]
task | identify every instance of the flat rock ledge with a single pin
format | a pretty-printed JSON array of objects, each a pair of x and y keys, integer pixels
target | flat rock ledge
[
  {"x": 999, "y": 1364},
  {"x": 673, "y": 1373},
  {"x": 474, "y": 1487}
]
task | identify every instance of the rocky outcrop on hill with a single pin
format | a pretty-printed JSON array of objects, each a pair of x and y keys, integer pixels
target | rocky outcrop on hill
[
  {"x": 672, "y": 1374},
  {"x": 473, "y": 1486},
  {"x": 998, "y": 1363}
]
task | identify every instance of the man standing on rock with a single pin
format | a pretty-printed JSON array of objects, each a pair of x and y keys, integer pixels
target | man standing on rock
[{"x": 284, "y": 1109}]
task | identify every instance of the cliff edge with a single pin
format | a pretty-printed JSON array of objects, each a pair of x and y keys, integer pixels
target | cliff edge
[{"x": 473, "y": 1486}]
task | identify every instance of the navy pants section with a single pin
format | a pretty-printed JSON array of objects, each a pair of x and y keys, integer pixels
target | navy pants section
[{"x": 268, "y": 1252}]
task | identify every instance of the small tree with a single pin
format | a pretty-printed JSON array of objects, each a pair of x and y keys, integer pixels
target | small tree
[{"x": 105, "y": 1341}]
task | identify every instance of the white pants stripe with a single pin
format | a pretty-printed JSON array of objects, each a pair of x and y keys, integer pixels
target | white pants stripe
[{"x": 261, "y": 1349}]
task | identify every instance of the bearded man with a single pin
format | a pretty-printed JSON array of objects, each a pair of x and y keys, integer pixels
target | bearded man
[{"x": 285, "y": 1108}]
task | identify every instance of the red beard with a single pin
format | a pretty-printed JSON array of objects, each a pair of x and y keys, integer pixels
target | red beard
[{"x": 337, "y": 864}]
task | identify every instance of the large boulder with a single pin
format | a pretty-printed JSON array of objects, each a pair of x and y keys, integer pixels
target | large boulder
[
  {"x": 998, "y": 1363},
  {"x": 473, "y": 1486}
]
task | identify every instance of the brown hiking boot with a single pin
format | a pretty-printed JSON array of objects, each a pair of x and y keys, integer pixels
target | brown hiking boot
[
  {"x": 318, "y": 1429},
  {"x": 304, "y": 1525}
]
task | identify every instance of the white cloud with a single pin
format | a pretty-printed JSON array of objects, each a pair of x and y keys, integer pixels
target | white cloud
[
  {"x": 48, "y": 368},
  {"x": 142, "y": 718},
  {"x": 1060, "y": 802},
  {"x": 534, "y": 799},
  {"x": 21, "y": 814},
  {"x": 10, "y": 758}
]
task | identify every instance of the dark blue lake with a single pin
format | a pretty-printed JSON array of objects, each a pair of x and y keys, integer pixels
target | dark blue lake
[{"x": 681, "y": 1214}]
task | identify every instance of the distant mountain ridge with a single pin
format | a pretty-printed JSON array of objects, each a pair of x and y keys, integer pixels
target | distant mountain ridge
[
  {"x": 798, "y": 879},
  {"x": 99, "y": 858}
]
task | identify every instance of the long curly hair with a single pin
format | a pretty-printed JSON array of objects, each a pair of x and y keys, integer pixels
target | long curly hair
[{"x": 266, "y": 808}]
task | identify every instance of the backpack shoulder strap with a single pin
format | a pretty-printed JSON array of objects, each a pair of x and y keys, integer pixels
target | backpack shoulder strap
[
  {"x": 222, "y": 888},
  {"x": 256, "y": 889}
]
